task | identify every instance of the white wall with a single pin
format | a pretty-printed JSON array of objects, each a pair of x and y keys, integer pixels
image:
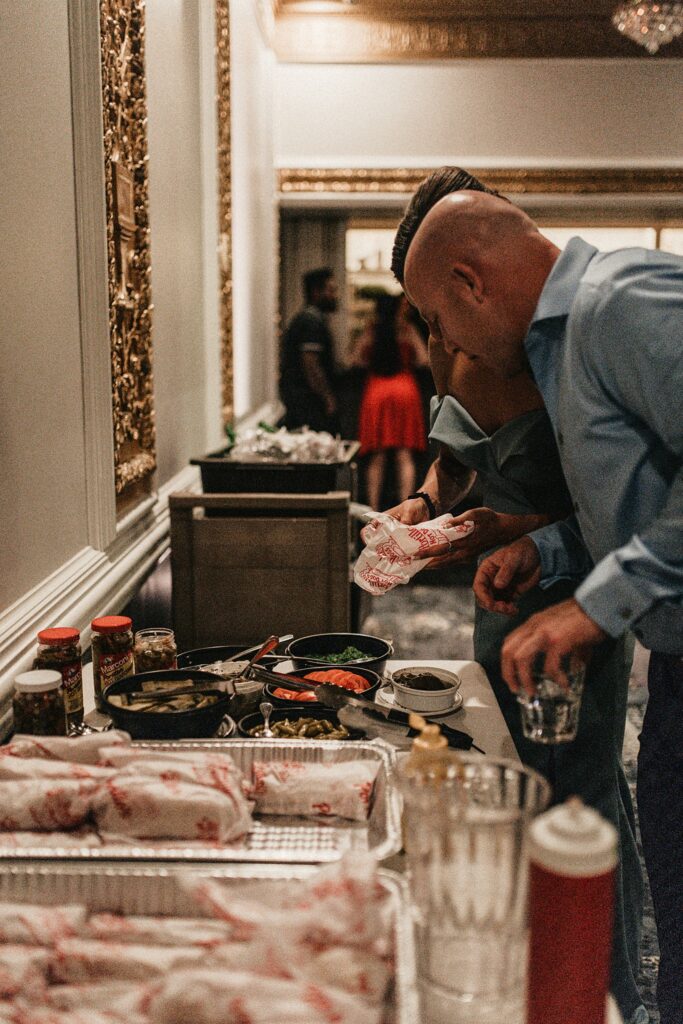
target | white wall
[
  {"x": 42, "y": 497},
  {"x": 481, "y": 113},
  {"x": 254, "y": 224},
  {"x": 183, "y": 358}
]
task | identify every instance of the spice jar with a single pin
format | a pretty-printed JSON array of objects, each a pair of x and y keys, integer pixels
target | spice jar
[
  {"x": 60, "y": 650},
  {"x": 38, "y": 703},
  {"x": 154, "y": 649},
  {"x": 112, "y": 652}
]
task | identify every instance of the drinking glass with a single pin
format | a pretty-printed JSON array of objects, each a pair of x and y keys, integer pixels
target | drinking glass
[
  {"x": 465, "y": 838},
  {"x": 551, "y": 714}
]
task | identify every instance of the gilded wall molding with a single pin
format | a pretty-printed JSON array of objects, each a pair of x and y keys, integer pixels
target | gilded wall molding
[
  {"x": 364, "y": 36},
  {"x": 663, "y": 181},
  {"x": 222, "y": 13},
  {"x": 124, "y": 105}
]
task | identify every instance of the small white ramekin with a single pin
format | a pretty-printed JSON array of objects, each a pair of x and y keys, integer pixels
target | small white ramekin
[{"x": 425, "y": 700}]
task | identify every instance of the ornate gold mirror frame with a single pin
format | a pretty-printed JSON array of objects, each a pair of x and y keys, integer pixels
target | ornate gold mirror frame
[
  {"x": 124, "y": 108},
  {"x": 222, "y": 15},
  {"x": 514, "y": 181}
]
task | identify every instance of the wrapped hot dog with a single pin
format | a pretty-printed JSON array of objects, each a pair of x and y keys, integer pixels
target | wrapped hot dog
[
  {"x": 37, "y": 925},
  {"x": 155, "y": 809},
  {"x": 80, "y": 837},
  {"x": 157, "y": 931},
  {"x": 23, "y": 970},
  {"x": 13, "y": 769},
  {"x": 86, "y": 960},
  {"x": 215, "y": 772},
  {"x": 393, "y": 551},
  {"x": 81, "y": 749},
  {"x": 213, "y": 997},
  {"x": 128, "y": 997},
  {"x": 289, "y": 787},
  {"x": 45, "y": 806}
]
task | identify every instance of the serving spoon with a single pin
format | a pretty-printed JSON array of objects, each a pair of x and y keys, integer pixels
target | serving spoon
[{"x": 266, "y": 708}]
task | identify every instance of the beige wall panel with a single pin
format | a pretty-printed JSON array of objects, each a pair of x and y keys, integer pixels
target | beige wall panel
[
  {"x": 181, "y": 360},
  {"x": 42, "y": 498},
  {"x": 482, "y": 112},
  {"x": 254, "y": 255}
]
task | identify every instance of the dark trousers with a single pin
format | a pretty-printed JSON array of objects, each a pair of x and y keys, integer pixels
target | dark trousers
[
  {"x": 660, "y": 807},
  {"x": 589, "y": 767}
]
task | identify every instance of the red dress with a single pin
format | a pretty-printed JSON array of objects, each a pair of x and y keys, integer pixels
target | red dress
[{"x": 391, "y": 410}]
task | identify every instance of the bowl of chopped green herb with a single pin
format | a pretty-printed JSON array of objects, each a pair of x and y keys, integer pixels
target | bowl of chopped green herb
[{"x": 341, "y": 649}]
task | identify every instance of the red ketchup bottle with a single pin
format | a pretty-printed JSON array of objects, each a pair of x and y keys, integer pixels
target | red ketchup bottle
[{"x": 573, "y": 858}]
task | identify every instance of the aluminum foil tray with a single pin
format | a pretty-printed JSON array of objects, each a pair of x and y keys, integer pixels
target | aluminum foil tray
[
  {"x": 273, "y": 838},
  {"x": 140, "y": 889}
]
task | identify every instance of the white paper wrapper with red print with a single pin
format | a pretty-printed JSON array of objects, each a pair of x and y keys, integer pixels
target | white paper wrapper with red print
[
  {"x": 291, "y": 787},
  {"x": 393, "y": 551}
]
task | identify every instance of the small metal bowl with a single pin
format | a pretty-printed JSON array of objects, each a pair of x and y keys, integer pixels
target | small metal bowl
[
  {"x": 283, "y": 702},
  {"x": 293, "y": 712},
  {"x": 166, "y": 725},
  {"x": 376, "y": 651}
]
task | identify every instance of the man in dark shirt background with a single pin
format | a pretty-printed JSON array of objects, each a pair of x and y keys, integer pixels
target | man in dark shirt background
[{"x": 307, "y": 360}]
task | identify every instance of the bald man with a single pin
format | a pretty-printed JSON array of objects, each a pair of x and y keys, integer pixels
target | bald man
[{"x": 601, "y": 334}]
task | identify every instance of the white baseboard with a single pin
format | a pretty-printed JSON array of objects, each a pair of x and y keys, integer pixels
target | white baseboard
[{"x": 91, "y": 583}]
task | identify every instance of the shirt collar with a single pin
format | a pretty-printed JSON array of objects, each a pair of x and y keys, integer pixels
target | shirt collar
[{"x": 562, "y": 284}]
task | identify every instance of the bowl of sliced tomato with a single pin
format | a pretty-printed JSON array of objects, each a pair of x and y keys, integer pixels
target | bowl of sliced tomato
[{"x": 361, "y": 682}]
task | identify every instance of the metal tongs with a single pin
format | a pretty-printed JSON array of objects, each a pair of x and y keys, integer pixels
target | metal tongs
[{"x": 336, "y": 697}]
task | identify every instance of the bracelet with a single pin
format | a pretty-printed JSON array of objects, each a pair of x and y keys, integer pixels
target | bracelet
[{"x": 431, "y": 507}]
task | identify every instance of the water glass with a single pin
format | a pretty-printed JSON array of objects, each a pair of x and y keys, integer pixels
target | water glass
[
  {"x": 465, "y": 838},
  {"x": 551, "y": 714}
]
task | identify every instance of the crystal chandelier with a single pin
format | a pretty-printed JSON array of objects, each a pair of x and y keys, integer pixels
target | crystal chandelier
[{"x": 649, "y": 23}]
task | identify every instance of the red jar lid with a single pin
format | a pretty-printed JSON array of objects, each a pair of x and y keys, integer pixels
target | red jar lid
[
  {"x": 61, "y": 635},
  {"x": 112, "y": 624}
]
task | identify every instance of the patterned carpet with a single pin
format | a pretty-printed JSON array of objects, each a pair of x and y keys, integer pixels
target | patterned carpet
[{"x": 434, "y": 620}]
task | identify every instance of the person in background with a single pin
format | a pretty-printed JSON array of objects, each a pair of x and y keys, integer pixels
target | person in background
[
  {"x": 307, "y": 358},
  {"x": 496, "y": 430},
  {"x": 391, "y": 405}
]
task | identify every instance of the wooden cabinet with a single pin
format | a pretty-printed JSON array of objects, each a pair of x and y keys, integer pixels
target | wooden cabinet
[{"x": 247, "y": 565}]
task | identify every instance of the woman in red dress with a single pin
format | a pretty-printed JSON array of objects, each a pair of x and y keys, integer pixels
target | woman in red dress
[{"x": 391, "y": 407}]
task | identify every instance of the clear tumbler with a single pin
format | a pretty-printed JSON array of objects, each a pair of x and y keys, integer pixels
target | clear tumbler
[{"x": 465, "y": 838}]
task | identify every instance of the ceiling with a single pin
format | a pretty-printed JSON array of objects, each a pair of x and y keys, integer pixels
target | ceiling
[{"x": 391, "y": 31}]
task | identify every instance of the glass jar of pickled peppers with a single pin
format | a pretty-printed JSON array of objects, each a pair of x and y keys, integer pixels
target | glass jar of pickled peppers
[
  {"x": 112, "y": 652},
  {"x": 154, "y": 649},
  {"x": 38, "y": 703},
  {"x": 60, "y": 650}
]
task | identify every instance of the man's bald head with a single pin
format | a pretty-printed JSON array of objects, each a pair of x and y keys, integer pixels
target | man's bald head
[{"x": 475, "y": 269}]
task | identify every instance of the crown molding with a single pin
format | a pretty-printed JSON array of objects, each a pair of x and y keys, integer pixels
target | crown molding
[{"x": 402, "y": 181}]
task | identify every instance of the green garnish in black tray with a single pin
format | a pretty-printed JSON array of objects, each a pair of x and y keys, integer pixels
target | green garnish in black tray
[{"x": 348, "y": 654}]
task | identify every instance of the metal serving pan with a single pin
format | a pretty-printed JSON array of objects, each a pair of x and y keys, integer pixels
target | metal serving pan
[
  {"x": 273, "y": 838},
  {"x": 145, "y": 890}
]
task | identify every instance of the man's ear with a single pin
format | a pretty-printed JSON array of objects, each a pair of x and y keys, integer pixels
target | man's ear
[{"x": 468, "y": 276}]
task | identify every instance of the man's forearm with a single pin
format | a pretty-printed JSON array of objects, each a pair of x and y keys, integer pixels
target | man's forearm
[
  {"x": 316, "y": 377},
  {"x": 447, "y": 482}
]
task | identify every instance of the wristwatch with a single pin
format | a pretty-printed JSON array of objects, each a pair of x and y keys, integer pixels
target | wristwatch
[{"x": 431, "y": 507}]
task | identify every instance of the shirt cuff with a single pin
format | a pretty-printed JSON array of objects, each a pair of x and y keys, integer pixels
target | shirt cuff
[
  {"x": 611, "y": 597},
  {"x": 563, "y": 555}
]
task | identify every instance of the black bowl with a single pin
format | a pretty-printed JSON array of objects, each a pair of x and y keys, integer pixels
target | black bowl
[
  {"x": 166, "y": 725},
  {"x": 207, "y": 655},
  {"x": 369, "y": 694},
  {"x": 293, "y": 712},
  {"x": 378, "y": 651}
]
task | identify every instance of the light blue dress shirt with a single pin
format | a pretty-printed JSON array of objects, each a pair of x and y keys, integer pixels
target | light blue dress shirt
[{"x": 605, "y": 347}]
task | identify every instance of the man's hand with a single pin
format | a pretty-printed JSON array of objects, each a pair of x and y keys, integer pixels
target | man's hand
[
  {"x": 410, "y": 512},
  {"x": 550, "y": 641},
  {"x": 490, "y": 528},
  {"x": 506, "y": 574}
]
